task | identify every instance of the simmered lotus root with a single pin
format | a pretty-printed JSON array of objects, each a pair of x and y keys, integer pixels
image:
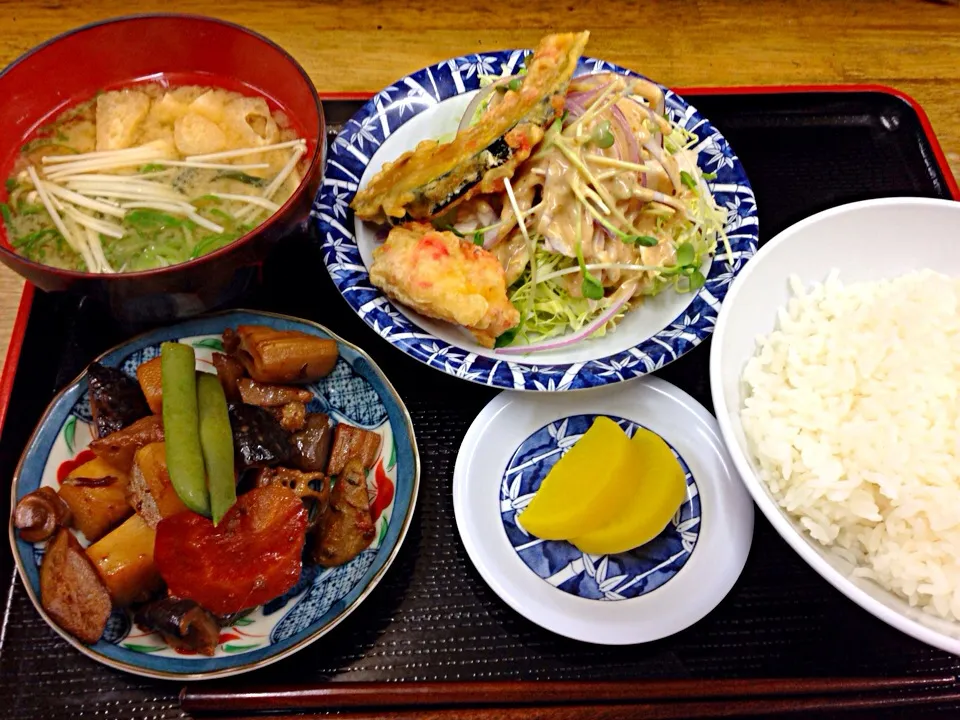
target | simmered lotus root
[{"x": 312, "y": 487}]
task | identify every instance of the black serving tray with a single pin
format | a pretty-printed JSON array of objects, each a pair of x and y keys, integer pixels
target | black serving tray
[{"x": 432, "y": 617}]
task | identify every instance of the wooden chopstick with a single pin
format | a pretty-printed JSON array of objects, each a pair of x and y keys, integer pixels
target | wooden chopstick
[
  {"x": 684, "y": 710},
  {"x": 400, "y": 695}
]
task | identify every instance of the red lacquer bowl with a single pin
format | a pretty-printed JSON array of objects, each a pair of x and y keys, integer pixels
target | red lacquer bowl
[{"x": 186, "y": 49}]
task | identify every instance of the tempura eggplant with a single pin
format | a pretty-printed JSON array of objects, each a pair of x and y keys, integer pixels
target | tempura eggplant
[
  {"x": 347, "y": 527},
  {"x": 71, "y": 591},
  {"x": 282, "y": 356},
  {"x": 433, "y": 178},
  {"x": 116, "y": 399},
  {"x": 39, "y": 514},
  {"x": 183, "y": 624}
]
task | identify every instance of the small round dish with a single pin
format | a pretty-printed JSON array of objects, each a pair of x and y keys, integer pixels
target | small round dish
[
  {"x": 356, "y": 392},
  {"x": 635, "y": 597},
  {"x": 429, "y": 104}
]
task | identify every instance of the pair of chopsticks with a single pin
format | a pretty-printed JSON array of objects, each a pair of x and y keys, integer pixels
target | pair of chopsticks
[{"x": 569, "y": 700}]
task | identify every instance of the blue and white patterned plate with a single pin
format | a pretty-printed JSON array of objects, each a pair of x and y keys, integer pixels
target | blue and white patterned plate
[
  {"x": 356, "y": 392},
  {"x": 429, "y": 104},
  {"x": 638, "y": 596}
]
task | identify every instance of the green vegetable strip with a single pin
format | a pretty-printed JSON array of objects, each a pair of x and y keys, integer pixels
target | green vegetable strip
[
  {"x": 216, "y": 441},
  {"x": 591, "y": 287},
  {"x": 181, "y": 425}
]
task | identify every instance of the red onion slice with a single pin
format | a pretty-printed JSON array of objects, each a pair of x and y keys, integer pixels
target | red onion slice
[
  {"x": 586, "y": 97},
  {"x": 633, "y": 149},
  {"x": 574, "y": 108},
  {"x": 659, "y": 155},
  {"x": 490, "y": 236}
]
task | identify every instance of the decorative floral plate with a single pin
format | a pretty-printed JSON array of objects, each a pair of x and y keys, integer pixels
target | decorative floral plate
[
  {"x": 648, "y": 593},
  {"x": 429, "y": 104},
  {"x": 356, "y": 392}
]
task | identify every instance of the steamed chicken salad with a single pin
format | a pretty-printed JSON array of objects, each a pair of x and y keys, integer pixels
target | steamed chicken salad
[{"x": 560, "y": 204}]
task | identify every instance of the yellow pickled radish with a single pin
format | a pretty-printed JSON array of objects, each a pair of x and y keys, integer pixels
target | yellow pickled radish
[
  {"x": 647, "y": 498},
  {"x": 574, "y": 498}
]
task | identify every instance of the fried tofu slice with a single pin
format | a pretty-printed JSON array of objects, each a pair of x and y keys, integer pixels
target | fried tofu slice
[
  {"x": 445, "y": 277},
  {"x": 120, "y": 114}
]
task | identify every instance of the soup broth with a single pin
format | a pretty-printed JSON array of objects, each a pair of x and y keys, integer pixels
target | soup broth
[{"x": 149, "y": 176}]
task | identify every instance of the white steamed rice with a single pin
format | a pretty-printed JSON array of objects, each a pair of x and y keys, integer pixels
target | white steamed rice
[{"x": 851, "y": 411}]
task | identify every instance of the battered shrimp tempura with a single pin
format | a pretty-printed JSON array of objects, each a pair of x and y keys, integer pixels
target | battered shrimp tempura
[{"x": 445, "y": 277}]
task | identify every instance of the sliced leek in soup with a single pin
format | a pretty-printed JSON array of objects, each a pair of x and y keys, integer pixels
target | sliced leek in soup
[{"x": 150, "y": 176}]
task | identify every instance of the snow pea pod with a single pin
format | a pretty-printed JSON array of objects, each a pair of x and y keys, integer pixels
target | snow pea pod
[
  {"x": 181, "y": 426},
  {"x": 216, "y": 441}
]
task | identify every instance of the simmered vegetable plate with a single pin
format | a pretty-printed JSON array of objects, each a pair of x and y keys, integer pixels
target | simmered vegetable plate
[{"x": 210, "y": 497}]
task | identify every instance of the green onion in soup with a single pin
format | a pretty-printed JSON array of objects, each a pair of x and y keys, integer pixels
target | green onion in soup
[{"x": 149, "y": 176}]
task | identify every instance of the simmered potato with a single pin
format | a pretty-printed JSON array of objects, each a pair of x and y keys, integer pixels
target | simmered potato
[
  {"x": 96, "y": 493},
  {"x": 124, "y": 559}
]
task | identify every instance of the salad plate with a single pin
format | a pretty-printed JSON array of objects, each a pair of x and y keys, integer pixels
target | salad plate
[
  {"x": 356, "y": 392},
  {"x": 638, "y": 596},
  {"x": 429, "y": 104}
]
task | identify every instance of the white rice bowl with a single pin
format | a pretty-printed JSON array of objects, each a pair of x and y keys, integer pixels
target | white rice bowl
[
  {"x": 874, "y": 564},
  {"x": 851, "y": 412}
]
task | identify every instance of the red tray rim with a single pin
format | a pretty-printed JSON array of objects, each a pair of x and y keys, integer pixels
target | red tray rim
[{"x": 26, "y": 299}]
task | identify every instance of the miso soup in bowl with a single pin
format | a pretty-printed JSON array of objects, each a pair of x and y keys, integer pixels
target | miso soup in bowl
[{"x": 159, "y": 173}]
